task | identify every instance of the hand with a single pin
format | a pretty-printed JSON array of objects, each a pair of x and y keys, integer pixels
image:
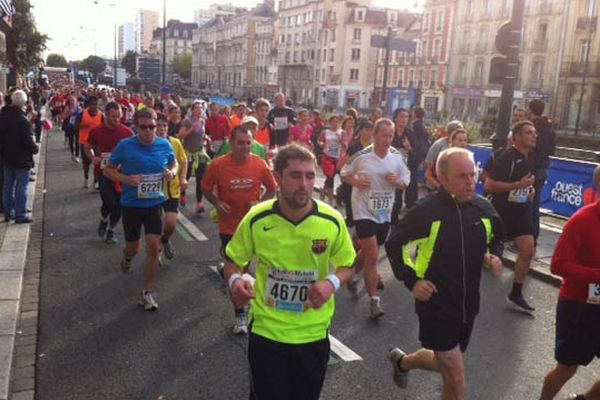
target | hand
[
  {"x": 183, "y": 184},
  {"x": 169, "y": 175},
  {"x": 391, "y": 178},
  {"x": 423, "y": 290},
  {"x": 223, "y": 207},
  {"x": 241, "y": 293},
  {"x": 526, "y": 181},
  {"x": 363, "y": 183},
  {"x": 320, "y": 292},
  {"x": 494, "y": 263},
  {"x": 133, "y": 180}
]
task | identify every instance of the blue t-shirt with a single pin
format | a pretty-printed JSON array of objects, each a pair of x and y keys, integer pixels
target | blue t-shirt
[{"x": 136, "y": 158}]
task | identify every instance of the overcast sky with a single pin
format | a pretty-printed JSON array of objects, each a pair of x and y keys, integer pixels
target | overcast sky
[{"x": 78, "y": 28}]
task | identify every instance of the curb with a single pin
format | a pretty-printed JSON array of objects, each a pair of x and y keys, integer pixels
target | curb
[{"x": 537, "y": 271}]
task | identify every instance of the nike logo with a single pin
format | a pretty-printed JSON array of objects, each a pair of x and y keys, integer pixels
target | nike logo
[{"x": 267, "y": 228}]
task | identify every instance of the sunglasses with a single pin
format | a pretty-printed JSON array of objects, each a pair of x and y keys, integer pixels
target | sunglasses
[{"x": 146, "y": 127}]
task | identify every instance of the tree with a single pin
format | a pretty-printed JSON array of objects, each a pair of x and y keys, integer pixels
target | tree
[
  {"x": 56, "y": 60},
  {"x": 129, "y": 62},
  {"x": 93, "y": 64},
  {"x": 24, "y": 43},
  {"x": 182, "y": 66}
]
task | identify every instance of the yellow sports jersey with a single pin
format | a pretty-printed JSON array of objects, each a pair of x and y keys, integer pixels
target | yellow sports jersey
[
  {"x": 172, "y": 190},
  {"x": 290, "y": 258}
]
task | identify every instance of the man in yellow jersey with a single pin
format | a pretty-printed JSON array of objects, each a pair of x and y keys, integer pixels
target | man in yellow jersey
[
  {"x": 295, "y": 240},
  {"x": 173, "y": 189}
]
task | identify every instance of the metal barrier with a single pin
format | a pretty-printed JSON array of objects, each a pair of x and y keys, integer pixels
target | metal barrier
[{"x": 567, "y": 182}]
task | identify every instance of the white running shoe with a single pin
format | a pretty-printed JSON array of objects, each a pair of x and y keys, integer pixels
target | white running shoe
[{"x": 147, "y": 300}]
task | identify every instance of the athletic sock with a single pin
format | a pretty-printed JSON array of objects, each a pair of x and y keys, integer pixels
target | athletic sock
[
  {"x": 517, "y": 289},
  {"x": 375, "y": 299}
]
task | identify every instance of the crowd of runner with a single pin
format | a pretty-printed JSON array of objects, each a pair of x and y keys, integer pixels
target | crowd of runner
[{"x": 256, "y": 164}]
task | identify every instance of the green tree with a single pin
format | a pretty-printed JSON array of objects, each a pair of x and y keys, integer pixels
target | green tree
[
  {"x": 129, "y": 62},
  {"x": 56, "y": 60},
  {"x": 24, "y": 43},
  {"x": 93, "y": 64},
  {"x": 182, "y": 66}
]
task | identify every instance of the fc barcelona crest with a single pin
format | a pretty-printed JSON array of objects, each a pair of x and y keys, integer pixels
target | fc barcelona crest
[{"x": 319, "y": 246}]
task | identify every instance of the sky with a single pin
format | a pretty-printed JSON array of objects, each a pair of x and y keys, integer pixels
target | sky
[{"x": 79, "y": 28}]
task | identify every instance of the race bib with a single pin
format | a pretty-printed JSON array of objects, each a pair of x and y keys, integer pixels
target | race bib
[
  {"x": 381, "y": 201},
  {"x": 288, "y": 290},
  {"x": 333, "y": 152},
  {"x": 518, "y": 195},
  {"x": 281, "y": 123},
  {"x": 104, "y": 157},
  {"x": 593, "y": 293},
  {"x": 151, "y": 186}
]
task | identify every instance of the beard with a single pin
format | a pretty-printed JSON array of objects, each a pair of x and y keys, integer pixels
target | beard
[{"x": 297, "y": 200}]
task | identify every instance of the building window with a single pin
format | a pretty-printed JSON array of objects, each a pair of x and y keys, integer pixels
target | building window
[
  {"x": 355, "y": 55},
  {"x": 433, "y": 79},
  {"x": 357, "y": 33},
  {"x": 437, "y": 48},
  {"x": 584, "y": 48},
  {"x": 542, "y": 33},
  {"x": 332, "y": 35},
  {"x": 424, "y": 49},
  {"x": 331, "y": 54},
  {"x": 426, "y": 22},
  {"x": 401, "y": 78},
  {"x": 440, "y": 21},
  {"x": 359, "y": 15},
  {"x": 354, "y": 74}
]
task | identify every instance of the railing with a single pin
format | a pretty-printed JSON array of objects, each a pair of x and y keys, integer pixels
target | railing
[
  {"x": 536, "y": 83},
  {"x": 477, "y": 81},
  {"x": 584, "y": 23},
  {"x": 540, "y": 45}
]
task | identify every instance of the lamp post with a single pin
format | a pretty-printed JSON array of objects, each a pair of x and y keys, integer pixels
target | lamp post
[
  {"x": 386, "y": 62},
  {"x": 164, "y": 43}
]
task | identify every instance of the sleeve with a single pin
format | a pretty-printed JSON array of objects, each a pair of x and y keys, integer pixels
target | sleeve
[
  {"x": 412, "y": 227},
  {"x": 496, "y": 246},
  {"x": 432, "y": 154},
  {"x": 404, "y": 172},
  {"x": 293, "y": 117},
  {"x": 179, "y": 152},
  {"x": 240, "y": 250},
  {"x": 271, "y": 116},
  {"x": 349, "y": 168},
  {"x": 342, "y": 252},
  {"x": 209, "y": 179},
  {"x": 116, "y": 157},
  {"x": 564, "y": 260},
  {"x": 501, "y": 169},
  {"x": 170, "y": 154}
]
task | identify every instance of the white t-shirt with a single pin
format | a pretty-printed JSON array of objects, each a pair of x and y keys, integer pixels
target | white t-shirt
[
  {"x": 333, "y": 143},
  {"x": 376, "y": 202}
]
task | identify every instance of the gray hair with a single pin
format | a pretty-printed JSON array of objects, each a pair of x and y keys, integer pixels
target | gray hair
[
  {"x": 18, "y": 98},
  {"x": 443, "y": 162}
]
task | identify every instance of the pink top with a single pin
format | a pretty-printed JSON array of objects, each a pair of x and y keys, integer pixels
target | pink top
[{"x": 298, "y": 135}]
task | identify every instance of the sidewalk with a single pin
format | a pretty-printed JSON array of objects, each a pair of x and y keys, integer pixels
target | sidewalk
[
  {"x": 14, "y": 244},
  {"x": 550, "y": 229}
]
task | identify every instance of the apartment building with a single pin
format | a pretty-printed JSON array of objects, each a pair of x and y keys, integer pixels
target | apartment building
[
  {"x": 178, "y": 40},
  {"x": 146, "y": 21},
  {"x": 232, "y": 54},
  {"x": 126, "y": 38}
]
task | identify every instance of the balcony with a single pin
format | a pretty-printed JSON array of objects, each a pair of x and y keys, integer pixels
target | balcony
[
  {"x": 535, "y": 83},
  {"x": 576, "y": 69},
  {"x": 585, "y": 23},
  {"x": 329, "y": 23},
  {"x": 477, "y": 81},
  {"x": 481, "y": 48},
  {"x": 539, "y": 45},
  {"x": 461, "y": 81}
]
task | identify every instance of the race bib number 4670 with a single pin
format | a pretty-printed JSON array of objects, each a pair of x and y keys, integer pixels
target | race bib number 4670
[
  {"x": 150, "y": 187},
  {"x": 288, "y": 290}
]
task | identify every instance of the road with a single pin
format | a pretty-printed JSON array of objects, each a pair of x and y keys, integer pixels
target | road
[{"x": 96, "y": 343}]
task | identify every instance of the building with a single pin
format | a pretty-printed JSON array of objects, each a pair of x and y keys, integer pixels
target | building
[
  {"x": 126, "y": 38},
  {"x": 580, "y": 56},
  {"x": 149, "y": 69},
  {"x": 178, "y": 40},
  {"x": 473, "y": 46},
  {"x": 146, "y": 22},
  {"x": 233, "y": 53},
  {"x": 202, "y": 16}
]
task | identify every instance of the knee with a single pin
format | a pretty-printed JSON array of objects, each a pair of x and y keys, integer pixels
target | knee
[
  {"x": 456, "y": 381},
  {"x": 132, "y": 249},
  {"x": 566, "y": 372},
  {"x": 153, "y": 248}
]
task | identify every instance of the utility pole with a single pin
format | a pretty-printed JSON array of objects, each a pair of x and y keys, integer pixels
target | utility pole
[
  {"x": 164, "y": 43},
  {"x": 115, "y": 60}
]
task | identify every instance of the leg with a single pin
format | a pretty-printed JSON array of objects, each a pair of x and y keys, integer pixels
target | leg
[
  {"x": 9, "y": 192},
  {"x": 76, "y": 143},
  {"x": 131, "y": 249},
  {"x": 453, "y": 373},
  {"x": 70, "y": 135},
  {"x": 308, "y": 370},
  {"x": 85, "y": 163},
  {"x": 420, "y": 359},
  {"x": 594, "y": 392},
  {"x": 269, "y": 369},
  {"x": 541, "y": 174},
  {"x": 21, "y": 183},
  {"x": 170, "y": 223},
  {"x": 397, "y": 207},
  {"x": 199, "y": 174},
  {"x": 151, "y": 262},
  {"x": 412, "y": 191},
  {"x": 370, "y": 250},
  {"x": 526, "y": 249},
  {"x": 555, "y": 380}
]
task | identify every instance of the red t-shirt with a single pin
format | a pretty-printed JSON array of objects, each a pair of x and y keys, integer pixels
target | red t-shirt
[
  {"x": 217, "y": 127},
  {"x": 577, "y": 255},
  {"x": 104, "y": 138},
  {"x": 237, "y": 184}
]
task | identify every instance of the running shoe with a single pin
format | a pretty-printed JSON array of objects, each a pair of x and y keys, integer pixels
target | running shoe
[
  {"x": 241, "y": 324},
  {"x": 147, "y": 300},
  {"x": 75, "y": 159},
  {"x": 400, "y": 375},
  {"x": 97, "y": 186},
  {"x": 519, "y": 302},
  {"x": 125, "y": 264},
  {"x": 111, "y": 238},
  {"x": 199, "y": 208},
  {"x": 168, "y": 249},
  {"x": 376, "y": 309},
  {"x": 102, "y": 228}
]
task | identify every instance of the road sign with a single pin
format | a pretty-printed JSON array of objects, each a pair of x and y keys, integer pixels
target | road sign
[{"x": 397, "y": 44}]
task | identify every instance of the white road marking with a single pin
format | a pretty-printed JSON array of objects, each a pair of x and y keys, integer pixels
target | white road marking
[
  {"x": 340, "y": 349},
  {"x": 550, "y": 228},
  {"x": 191, "y": 228}
]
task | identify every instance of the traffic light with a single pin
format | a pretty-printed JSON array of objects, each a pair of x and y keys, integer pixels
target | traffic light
[
  {"x": 508, "y": 41},
  {"x": 497, "y": 69}
]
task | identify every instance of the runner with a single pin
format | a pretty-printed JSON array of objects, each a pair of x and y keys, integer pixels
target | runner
[
  {"x": 232, "y": 184},
  {"x": 239, "y": 113},
  {"x": 454, "y": 233},
  {"x": 295, "y": 240},
  {"x": 251, "y": 124},
  {"x": 302, "y": 133},
  {"x": 141, "y": 163},
  {"x": 331, "y": 143},
  {"x": 458, "y": 138},
  {"x": 191, "y": 134},
  {"x": 375, "y": 173},
  {"x": 577, "y": 260},
  {"x": 173, "y": 189},
  {"x": 174, "y": 115},
  {"x": 511, "y": 184},
  {"x": 90, "y": 118},
  {"x": 265, "y": 129},
  {"x": 70, "y": 115},
  {"x": 282, "y": 118},
  {"x": 101, "y": 143},
  {"x": 217, "y": 127}
]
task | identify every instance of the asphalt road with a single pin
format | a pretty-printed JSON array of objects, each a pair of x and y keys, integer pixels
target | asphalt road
[{"x": 95, "y": 342}]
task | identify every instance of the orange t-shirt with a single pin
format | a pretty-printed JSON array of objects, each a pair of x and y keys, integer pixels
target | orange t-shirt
[
  {"x": 237, "y": 184},
  {"x": 263, "y": 136},
  {"x": 235, "y": 121},
  {"x": 88, "y": 123}
]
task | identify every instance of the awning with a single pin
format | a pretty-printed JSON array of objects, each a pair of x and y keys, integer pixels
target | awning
[{"x": 7, "y": 8}]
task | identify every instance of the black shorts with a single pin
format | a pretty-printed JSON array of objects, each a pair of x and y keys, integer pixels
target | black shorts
[
  {"x": 225, "y": 239},
  {"x": 577, "y": 332},
  {"x": 171, "y": 205},
  {"x": 365, "y": 228},
  {"x": 136, "y": 217},
  {"x": 441, "y": 335},
  {"x": 518, "y": 222}
]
